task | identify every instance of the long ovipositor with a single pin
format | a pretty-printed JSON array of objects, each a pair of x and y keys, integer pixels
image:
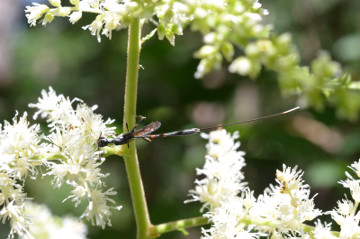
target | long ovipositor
[{"x": 145, "y": 132}]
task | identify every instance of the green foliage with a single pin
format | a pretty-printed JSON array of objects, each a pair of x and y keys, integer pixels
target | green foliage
[{"x": 232, "y": 30}]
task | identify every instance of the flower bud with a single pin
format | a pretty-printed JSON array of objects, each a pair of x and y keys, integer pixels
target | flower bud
[
  {"x": 161, "y": 31},
  {"x": 47, "y": 18},
  {"x": 75, "y": 16},
  {"x": 227, "y": 50},
  {"x": 241, "y": 65},
  {"x": 33, "y": 13},
  {"x": 55, "y": 3},
  {"x": 74, "y": 2},
  {"x": 205, "y": 51}
]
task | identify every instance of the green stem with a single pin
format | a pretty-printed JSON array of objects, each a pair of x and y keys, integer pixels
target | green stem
[
  {"x": 114, "y": 150},
  {"x": 130, "y": 155},
  {"x": 276, "y": 224},
  {"x": 179, "y": 225}
]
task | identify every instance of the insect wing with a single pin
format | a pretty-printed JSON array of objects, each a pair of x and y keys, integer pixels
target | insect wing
[{"x": 147, "y": 129}]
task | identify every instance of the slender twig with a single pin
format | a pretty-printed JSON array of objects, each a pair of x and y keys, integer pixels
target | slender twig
[{"x": 178, "y": 225}]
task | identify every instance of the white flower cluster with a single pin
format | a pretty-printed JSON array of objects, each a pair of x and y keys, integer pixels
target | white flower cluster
[
  {"x": 70, "y": 152},
  {"x": 111, "y": 14},
  {"x": 114, "y": 15},
  {"x": 222, "y": 170},
  {"x": 227, "y": 25},
  {"x": 73, "y": 148},
  {"x": 280, "y": 212},
  {"x": 224, "y": 23},
  {"x": 46, "y": 226},
  {"x": 347, "y": 214},
  {"x": 20, "y": 151}
]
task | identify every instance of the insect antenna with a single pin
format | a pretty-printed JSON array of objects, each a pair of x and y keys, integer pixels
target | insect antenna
[{"x": 248, "y": 121}]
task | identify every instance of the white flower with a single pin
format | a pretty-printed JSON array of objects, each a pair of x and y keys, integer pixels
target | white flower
[
  {"x": 55, "y": 3},
  {"x": 206, "y": 50},
  {"x": 49, "y": 17},
  {"x": 222, "y": 170},
  {"x": 35, "y": 12},
  {"x": 114, "y": 7},
  {"x": 74, "y": 152},
  {"x": 44, "y": 223},
  {"x": 202, "y": 69},
  {"x": 349, "y": 227},
  {"x": 227, "y": 221},
  {"x": 62, "y": 11},
  {"x": 293, "y": 199},
  {"x": 99, "y": 209},
  {"x": 111, "y": 22},
  {"x": 19, "y": 153},
  {"x": 241, "y": 65},
  {"x": 96, "y": 26},
  {"x": 346, "y": 214},
  {"x": 356, "y": 168},
  {"x": 74, "y": 2},
  {"x": 71, "y": 154},
  {"x": 19, "y": 145},
  {"x": 93, "y": 3},
  {"x": 289, "y": 178},
  {"x": 75, "y": 16},
  {"x": 18, "y": 220},
  {"x": 19, "y": 148},
  {"x": 323, "y": 231},
  {"x": 278, "y": 213},
  {"x": 353, "y": 185},
  {"x": 92, "y": 124},
  {"x": 52, "y": 106}
]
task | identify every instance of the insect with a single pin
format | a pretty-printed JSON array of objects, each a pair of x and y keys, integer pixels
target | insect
[{"x": 145, "y": 132}]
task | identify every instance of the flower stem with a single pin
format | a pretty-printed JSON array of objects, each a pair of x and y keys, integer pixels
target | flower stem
[
  {"x": 273, "y": 224},
  {"x": 130, "y": 155},
  {"x": 114, "y": 150},
  {"x": 179, "y": 225}
]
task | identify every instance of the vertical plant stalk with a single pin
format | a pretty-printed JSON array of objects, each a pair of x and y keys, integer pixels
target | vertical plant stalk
[{"x": 130, "y": 155}]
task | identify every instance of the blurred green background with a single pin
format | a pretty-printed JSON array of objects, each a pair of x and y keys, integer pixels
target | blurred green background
[{"x": 70, "y": 60}]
